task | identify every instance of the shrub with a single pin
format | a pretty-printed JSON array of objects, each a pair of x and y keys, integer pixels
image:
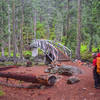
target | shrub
[{"x": 86, "y": 56}]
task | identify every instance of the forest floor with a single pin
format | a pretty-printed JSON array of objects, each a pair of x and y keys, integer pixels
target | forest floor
[{"x": 83, "y": 90}]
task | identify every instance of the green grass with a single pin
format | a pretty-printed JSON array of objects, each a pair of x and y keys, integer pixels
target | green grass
[{"x": 2, "y": 93}]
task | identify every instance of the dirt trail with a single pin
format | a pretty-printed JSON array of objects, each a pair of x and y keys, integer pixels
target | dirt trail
[{"x": 84, "y": 90}]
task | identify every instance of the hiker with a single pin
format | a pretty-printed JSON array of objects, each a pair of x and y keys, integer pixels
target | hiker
[
  {"x": 98, "y": 63},
  {"x": 95, "y": 74}
]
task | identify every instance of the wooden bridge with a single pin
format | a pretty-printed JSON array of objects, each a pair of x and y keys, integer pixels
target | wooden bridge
[{"x": 55, "y": 51}]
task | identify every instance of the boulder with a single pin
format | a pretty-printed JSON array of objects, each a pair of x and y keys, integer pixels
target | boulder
[
  {"x": 73, "y": 80},
  {"x": 54, "y": 70},
  {"x": 46, "y": 70},
  {"x": 69, "y": 70},
  {"x": 64, "y": 70}
]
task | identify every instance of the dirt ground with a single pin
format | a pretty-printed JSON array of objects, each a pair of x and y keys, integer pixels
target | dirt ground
[{"x": 83, "y": 90}]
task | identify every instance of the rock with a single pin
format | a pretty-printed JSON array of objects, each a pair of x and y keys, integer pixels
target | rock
[
  {"x": 64, "y": 70},
  {"x": 73, "y": 80},
  {"x": 42, "y": 87},
  {"x": 51, "y": 65},
  {"x": 84, "y": 88},
  {"x": 69, "y": 70},
  {"x": 91, "y": 93},
  {"x": 54, "y": 70},
  {"x": 29, "y": 64},
  {"x": 46, "y": 70}
]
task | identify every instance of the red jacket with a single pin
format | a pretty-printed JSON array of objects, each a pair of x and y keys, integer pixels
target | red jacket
[
  {"x": 94, "y": 62},
  {"x": 98, "y": 55}
]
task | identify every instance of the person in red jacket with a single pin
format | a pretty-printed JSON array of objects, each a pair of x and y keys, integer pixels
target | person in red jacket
[
  {"x": 98, "y": 63},
  {"x": 95, "y": 74}
]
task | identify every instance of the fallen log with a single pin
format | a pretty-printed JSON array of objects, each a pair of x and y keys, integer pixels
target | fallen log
[
  {"x": 8, "y": 67},
  {"x": 43, "y": 79},
  {"x": 19, "y": 86}
]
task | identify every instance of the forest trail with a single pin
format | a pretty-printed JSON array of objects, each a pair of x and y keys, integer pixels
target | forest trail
[{"x": 83, "y": 90}]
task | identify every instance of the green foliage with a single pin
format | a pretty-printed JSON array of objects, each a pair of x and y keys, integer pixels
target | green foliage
[
  {"x": 86, "y": 56},
  {"x": 64, "y": 39},
  {"x": 1, "y": 93},
  {"x": 27, "y": 53},
  {"x": 52, "y": 34},
  {"x": 40, "y": 31},
  {"x": 52, "y": 14},
  {"x": 83, "y": 48},
  {"x": 6, "y": 54},
  {"x": 40, "y": 52}
]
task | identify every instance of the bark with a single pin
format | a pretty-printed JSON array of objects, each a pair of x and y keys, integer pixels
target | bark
[
  {"x": 9, "y": 31},
  {"x": 45, "y": 80},
  {"x": 66, "y": 22},
  {"x": 35, "y": 14},
  {"x": 78, "y": 31},
  {"x": 64, "y": 28},
  {"x": 2, "y": 42},
  {"x": 48, "y": 30},
  {"x": 40, "y": 17},
  {"x": 2, "y": 49},
  {"x": 27, "y": 38},
  {"x": 21, "y": 30},
  {"x": 90, "y": 44},
  {"x": 31, "y": 25},
  {"x": 14, "y": 35},
  {"x": 67, "y": 28}
]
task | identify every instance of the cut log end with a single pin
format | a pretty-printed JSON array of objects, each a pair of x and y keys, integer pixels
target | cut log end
[{"x": 52, "y": 80}]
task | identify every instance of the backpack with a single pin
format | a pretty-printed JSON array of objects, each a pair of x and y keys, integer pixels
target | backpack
[{"x": 98, "y": 65}]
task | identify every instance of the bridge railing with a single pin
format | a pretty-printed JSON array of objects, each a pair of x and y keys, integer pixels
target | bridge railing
[{"x": 63, "y": 48}]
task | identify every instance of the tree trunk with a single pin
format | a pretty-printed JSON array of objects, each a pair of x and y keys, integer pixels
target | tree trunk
[
  {"x": 67, "y": 28},
  {"x": 17, "y": 51},
  {"x": 35, "y": 14},
  {"x": 40, "y": 17},
  {"x": 14, "y": 35},
  {"x": 66, "y": 22},
  {"x": 78, "y": 31},
  {"x": 2, "y": 49},
  {"x": 2, "y": 31},
  {"x": 64, "y": 28},
  {"x": 90, "y": 44},
  {"x": 27, "y": 38},
  {"x": 31, "y": 25},
  {"x": 9, "y": 31},
  {"x": 48, "y": 30},
  {"x": 21, "y": 30}
]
